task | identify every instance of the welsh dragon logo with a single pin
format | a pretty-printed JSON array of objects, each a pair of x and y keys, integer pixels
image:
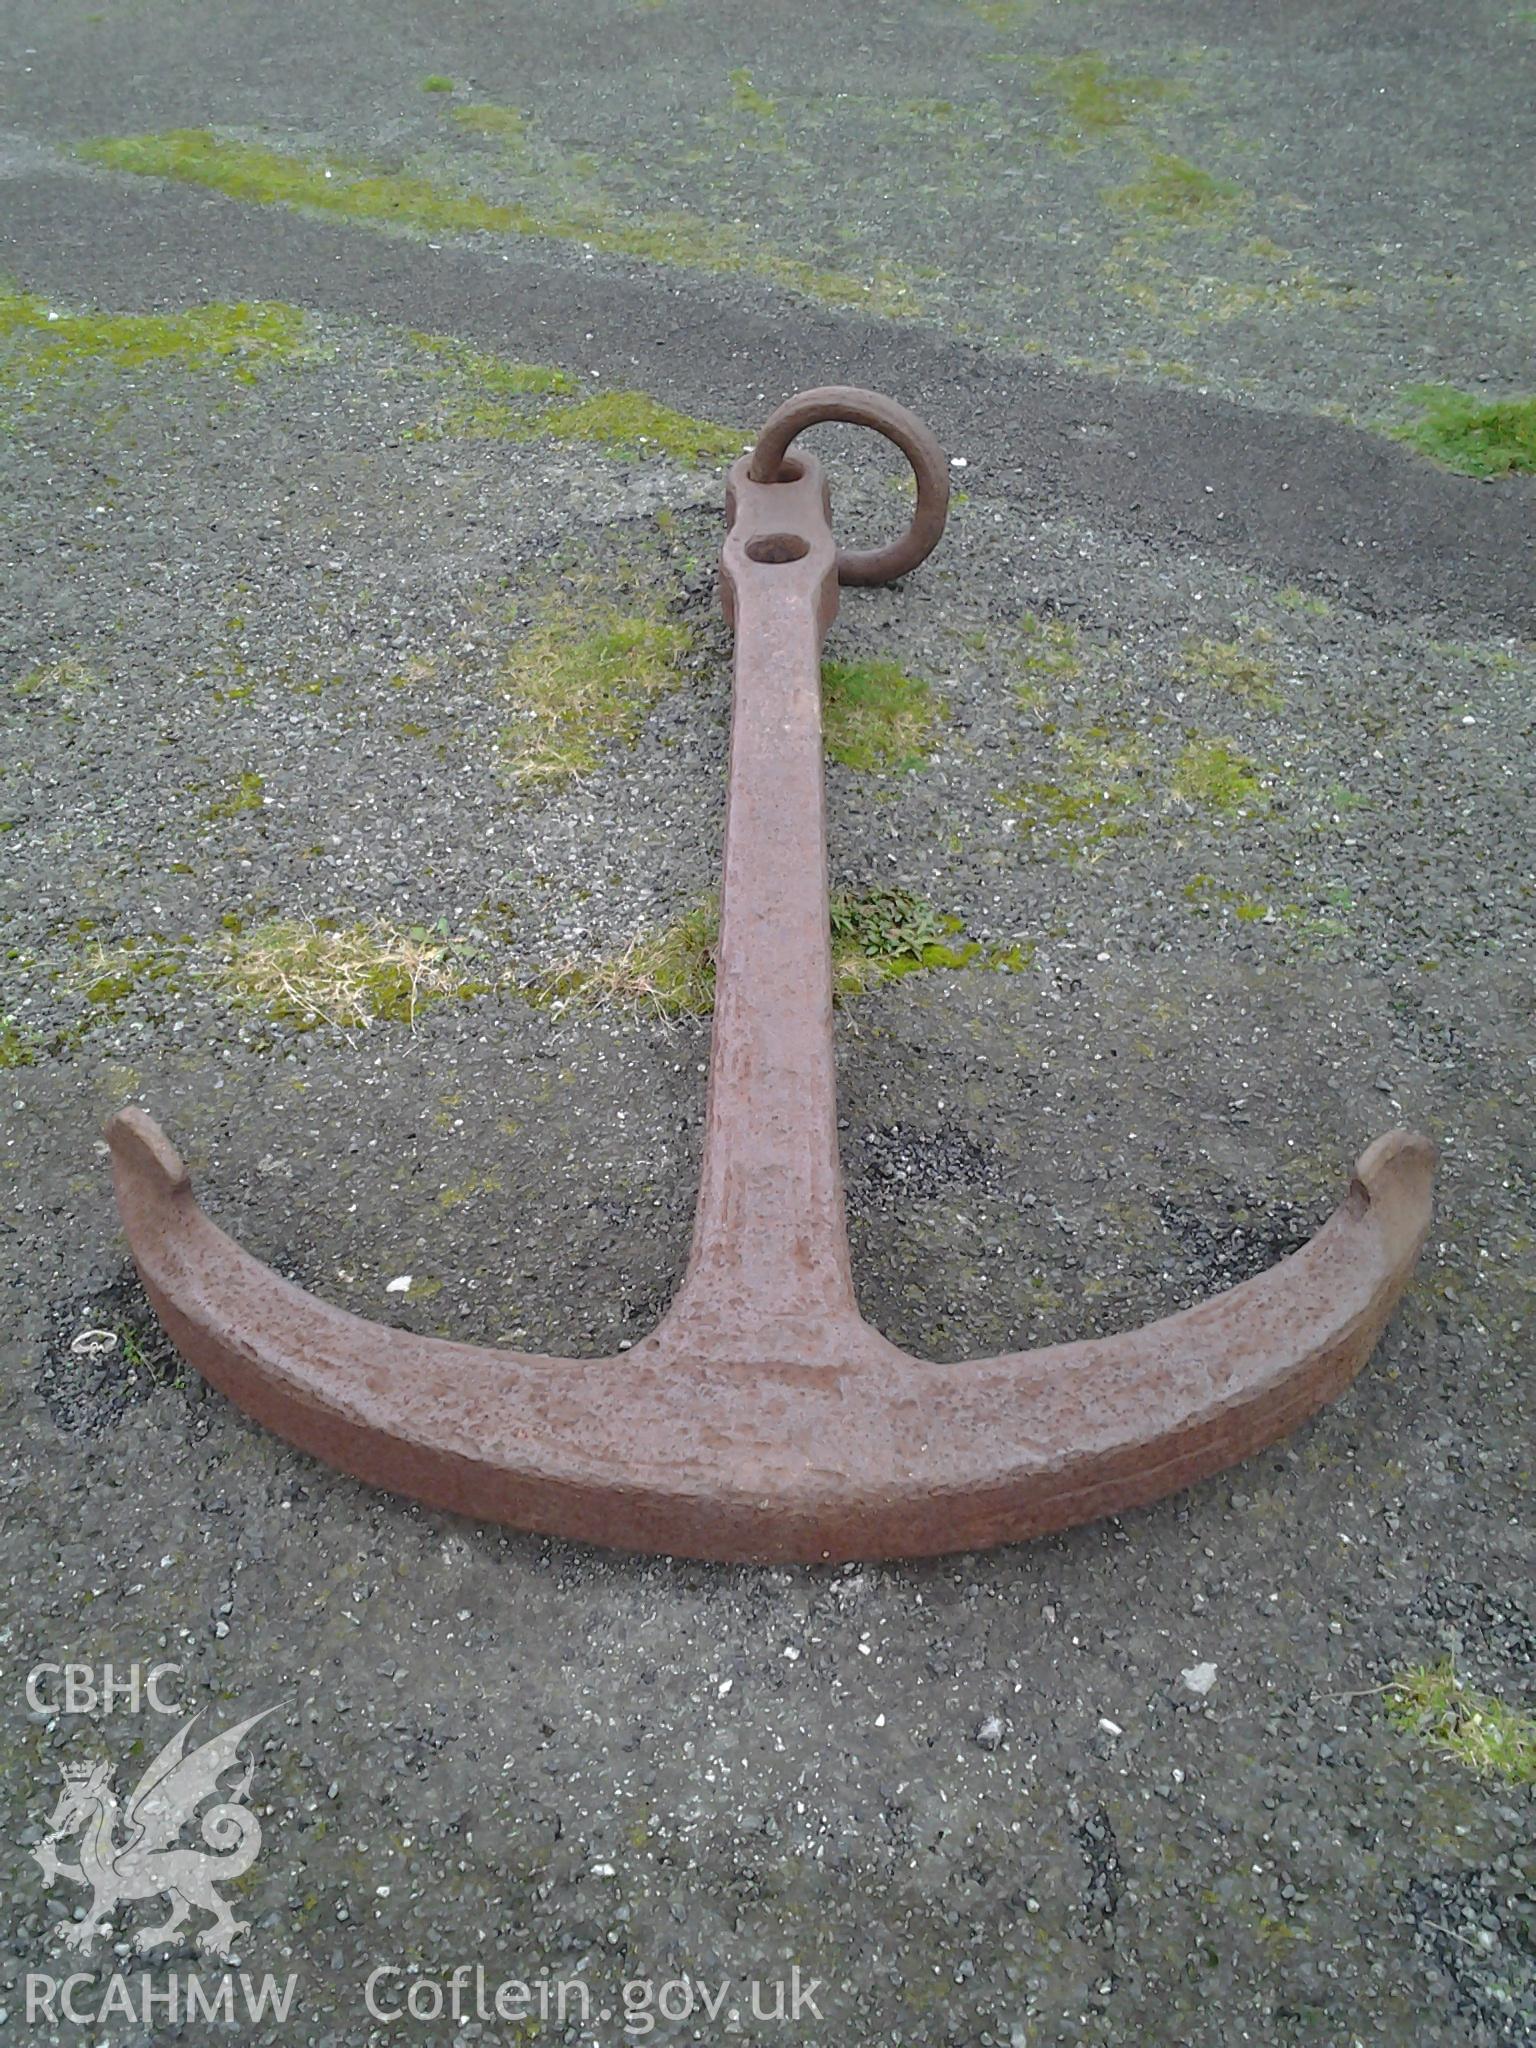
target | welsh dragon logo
[{"x": 144, "y": 1859}]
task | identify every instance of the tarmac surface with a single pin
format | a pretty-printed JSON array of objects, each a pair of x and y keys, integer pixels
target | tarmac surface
[{"x": 1138, "y": 1783}]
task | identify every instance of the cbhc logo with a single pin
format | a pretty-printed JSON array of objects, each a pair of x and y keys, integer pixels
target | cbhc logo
[{"x": 100, "y": 1688}]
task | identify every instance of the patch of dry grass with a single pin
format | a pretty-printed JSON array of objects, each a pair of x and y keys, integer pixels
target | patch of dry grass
[
  {"x": 586, "y": 675},
  {"x": 310, "y": 972}
]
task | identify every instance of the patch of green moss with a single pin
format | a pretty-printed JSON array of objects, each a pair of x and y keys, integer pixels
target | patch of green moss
[
  {"x": 1095, "y": 795},
  {"x": 1205, "y": 894},
  {"x": 583, "y": 678},
  {"x": 631, "y": 423},
  {"x": 495, "y": 376},
  {"x": 695, "y": 244},
  {"x": 876, "y": 717},
  {"x": 37, "y": 341},
  {"x": 1096, "y": 100},
  {"x": 435, "y": 82},
  {"x": 1180, "y": 193},
  {"x": 1293, "y": 599},
  {"x": 454, "y": 1197},
  {"x": 1474, "y": 436},
  {"x": 1215, "y": 301},
  {"x": 270, "y": 177},
  {"x": 18, "y": 1048},
  {"x": 1003, "y": 15},
  {"x": 746, "y": 98},
  {"x": 496, "y": 124},
  {"x": 372, "y": 197},
  {"x": 246, "y": 793},
  {"x": 1238, "y": 671},
  {"x": 484, "y": 396},
  {"x": 474, "y": 419},
  {"x": 1201, "y": 300},
  {"x": 1475, "y": 1729},
  {"x": 1212, "y": 775}
]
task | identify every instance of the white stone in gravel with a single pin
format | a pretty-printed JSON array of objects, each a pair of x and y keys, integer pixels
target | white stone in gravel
[{"x": 1199, "y": 1677}]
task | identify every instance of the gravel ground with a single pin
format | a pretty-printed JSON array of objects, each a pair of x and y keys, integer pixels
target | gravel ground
[{"x": 1134, "y": 1784}]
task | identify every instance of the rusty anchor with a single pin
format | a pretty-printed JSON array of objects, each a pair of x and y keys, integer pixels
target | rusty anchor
[{"x": 764, "y": 1419}]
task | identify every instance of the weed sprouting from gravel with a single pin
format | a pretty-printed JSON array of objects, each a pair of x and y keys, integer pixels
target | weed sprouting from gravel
[
  {"x": 882, "y": 934},
  {"x": 1477, "y": 1729},
  {"x": 1476, "y": 437},
  {"x": 1293, "y": 599},
  {"x": 436, "y": 82},
  {"x": 876, "y": 717},
  {"x": 585, "y": 677}
]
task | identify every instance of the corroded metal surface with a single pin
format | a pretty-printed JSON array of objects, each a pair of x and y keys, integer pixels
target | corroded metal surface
[{"x": 764, "y": 1419}]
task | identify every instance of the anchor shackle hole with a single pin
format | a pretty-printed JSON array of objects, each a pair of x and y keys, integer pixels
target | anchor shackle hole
[
  {"x": 790, "y": 471},
  {"x": 778, "y": 547}
]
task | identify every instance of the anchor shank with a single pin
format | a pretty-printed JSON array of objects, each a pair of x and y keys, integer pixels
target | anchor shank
[{"x": 770, "y": 1235}]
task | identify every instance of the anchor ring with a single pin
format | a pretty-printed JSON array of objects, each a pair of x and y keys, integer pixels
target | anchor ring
[{"x": 916, "y": 441}]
